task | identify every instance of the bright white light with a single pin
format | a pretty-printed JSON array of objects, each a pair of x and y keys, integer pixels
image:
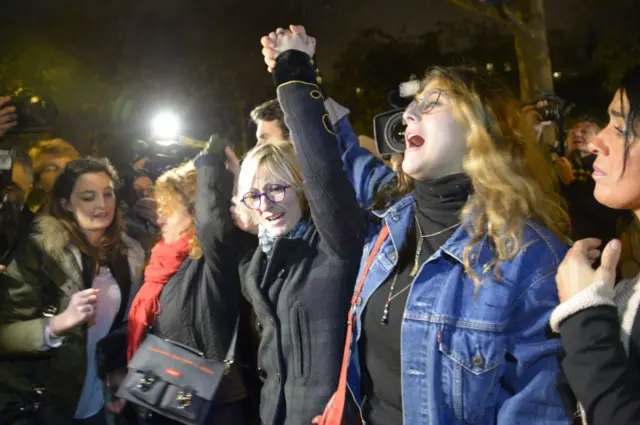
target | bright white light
[
  {"x": 557, "y": 75},
  {"x": 165, "y": 125}
]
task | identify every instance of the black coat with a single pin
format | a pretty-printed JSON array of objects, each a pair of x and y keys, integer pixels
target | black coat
[
  {"x": 602, "y": 362},
  {"x": 301, "y": 293},
  {"x": 199, "y": 304}
]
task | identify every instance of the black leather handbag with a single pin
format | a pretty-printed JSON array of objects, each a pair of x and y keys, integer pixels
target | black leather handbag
[{"x": 174, "y": 380}]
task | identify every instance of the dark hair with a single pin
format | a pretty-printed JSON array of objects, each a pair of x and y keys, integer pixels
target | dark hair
[
  {"x": 111, "y": 243},
  {"x": 271, "y": 111},
  {"x": 630, "y": 85},
  {"x": 24, "y": 160}
]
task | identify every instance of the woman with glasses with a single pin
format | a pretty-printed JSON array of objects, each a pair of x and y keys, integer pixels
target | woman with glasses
[
  {"x": 449, "y": 319},
  {"x": 299, "y": 279}
]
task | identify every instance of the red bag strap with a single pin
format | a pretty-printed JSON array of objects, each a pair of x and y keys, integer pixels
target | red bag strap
[{"x": 334, "y": 416}]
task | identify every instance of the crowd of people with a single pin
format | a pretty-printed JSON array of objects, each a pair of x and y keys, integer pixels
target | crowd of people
[{"x": 473, "y": 279}]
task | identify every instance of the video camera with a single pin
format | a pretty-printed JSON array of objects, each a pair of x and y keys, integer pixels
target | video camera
[
  {"x": 389, "y": 127},
  {"x": 35, "y": 113},
  {"x": 554, "y": 109}
]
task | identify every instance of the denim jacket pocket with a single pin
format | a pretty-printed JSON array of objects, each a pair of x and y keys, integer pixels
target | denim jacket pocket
[{"x": 471, "y": 364}]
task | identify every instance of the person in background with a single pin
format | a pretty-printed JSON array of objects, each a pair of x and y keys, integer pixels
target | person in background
[
  {"x": 139, "y": 208},
  {"x": 49, "y": 158},
  {"x": 7, "y": 115},
  {"x": 269, "y": 122},
  {"x": 589, "y": 218},
  {"x": 450, "y": 324},
  {"x": 68, "y": 286},
  {"x": 22, "y": 173},
  {"x": 598, "y": 319}
]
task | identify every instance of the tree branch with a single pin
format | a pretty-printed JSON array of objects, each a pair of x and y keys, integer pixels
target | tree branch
[{"x": 503, "y": 16}]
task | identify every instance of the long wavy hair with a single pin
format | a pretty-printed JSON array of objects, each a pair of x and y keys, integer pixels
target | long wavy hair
[
  {"x": 111, "y": 243},
  {"x": 513, "y": 181},
  {"x": 178, "y": 186}
]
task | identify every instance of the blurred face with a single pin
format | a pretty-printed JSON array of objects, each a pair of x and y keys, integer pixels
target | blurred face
[
  {"x": 52, "y": 167},
  {"x": 580, "y": 136},
  {"x": 613, "y": 188},
  {"x": 435, "y": 141},
  {"x": 92, "y": 202},
  {"x": 174, "y": 221},
  {"x": 276, "y": 204},
  {"x": 268, "y": 130},
  {"x": 143, "y": 186}
]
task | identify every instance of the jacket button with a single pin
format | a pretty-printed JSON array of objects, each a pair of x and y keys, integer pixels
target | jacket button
[
  {"x": 477, "y": 361},
  {"x": 359, "y": 301},
  {"x": 394, "y": 256},
  {"x": 395, "y": 218}
]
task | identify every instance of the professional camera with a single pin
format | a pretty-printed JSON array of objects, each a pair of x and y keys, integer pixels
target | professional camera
[
  {"x": 11, "y": 203},
  {"x": 389, "y": 127},
  {"x": 35, "y": 113},
  {"x": 552, "y": 108}
]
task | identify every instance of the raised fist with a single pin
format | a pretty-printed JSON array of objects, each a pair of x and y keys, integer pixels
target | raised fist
[{"x": 281, "y": 40}]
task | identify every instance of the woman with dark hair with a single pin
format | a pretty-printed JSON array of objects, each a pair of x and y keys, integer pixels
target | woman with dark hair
[
  {"x": 599, "y": 320},
  {"x": 68, "y": 286},
  {"x": 448, "y": 318}
]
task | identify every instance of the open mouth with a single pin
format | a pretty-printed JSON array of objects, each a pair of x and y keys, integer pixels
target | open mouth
[
  {"x": 275, "y": 217},
  {"x": 102, "y": 215},
  {"x": 414, "y": 141}
]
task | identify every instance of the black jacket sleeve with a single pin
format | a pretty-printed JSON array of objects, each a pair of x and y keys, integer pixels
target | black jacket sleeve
[
  {"x": 334, "y": 206},
  {"x": 214, "y": 225},
  {"x": 598, "y": 369}
]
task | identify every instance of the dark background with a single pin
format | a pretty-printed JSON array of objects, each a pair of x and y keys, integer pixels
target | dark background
[{"x": 110, "y": 65}]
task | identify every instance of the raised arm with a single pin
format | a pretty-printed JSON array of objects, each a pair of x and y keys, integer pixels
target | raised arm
[
  {"x": 367, "y": 173},
  {"x": 332, "y": 200},
  {"x": 216, "y": 232}
]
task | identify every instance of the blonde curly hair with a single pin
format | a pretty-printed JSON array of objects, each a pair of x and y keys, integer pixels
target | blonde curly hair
[
  {"x": 513, "y": 181},
  {"x": 178, "y": 186}
]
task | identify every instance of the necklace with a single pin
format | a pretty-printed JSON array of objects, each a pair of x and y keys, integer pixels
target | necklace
[
  {"x": 421, "y": 237},
  {"x": 416, "y": 264}
]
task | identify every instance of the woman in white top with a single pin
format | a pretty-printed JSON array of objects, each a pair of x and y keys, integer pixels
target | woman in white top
[{"x": 68, "y": 286}]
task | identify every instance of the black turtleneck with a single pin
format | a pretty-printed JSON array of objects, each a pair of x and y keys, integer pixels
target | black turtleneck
[{"x": 438, "y": 205}]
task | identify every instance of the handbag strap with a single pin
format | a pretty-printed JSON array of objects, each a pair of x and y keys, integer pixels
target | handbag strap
[{"x": 341, "y": 393}]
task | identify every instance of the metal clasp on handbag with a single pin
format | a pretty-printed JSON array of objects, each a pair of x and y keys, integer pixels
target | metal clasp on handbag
[
  {"x": 184, "y": 399},
  {"x": 145, "y": 383}
]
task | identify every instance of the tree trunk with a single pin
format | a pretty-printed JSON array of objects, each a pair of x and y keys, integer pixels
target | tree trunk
[{"x": 534, "y": 64}]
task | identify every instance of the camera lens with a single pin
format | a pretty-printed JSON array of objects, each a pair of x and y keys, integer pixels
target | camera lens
[{"x": 394, "y": 133}]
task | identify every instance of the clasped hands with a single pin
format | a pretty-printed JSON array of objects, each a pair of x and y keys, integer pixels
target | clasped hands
[{"x": 281, "y": 40}]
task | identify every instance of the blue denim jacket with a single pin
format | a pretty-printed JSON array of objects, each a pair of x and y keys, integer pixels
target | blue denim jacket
[{"x": 467, "y": 357}]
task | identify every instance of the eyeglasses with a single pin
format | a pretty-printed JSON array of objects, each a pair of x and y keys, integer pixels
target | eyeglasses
[{"x": 274, "y": 193}]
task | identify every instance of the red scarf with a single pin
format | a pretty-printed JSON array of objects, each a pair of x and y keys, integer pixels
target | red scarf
[{"x": 164, "y": 263}]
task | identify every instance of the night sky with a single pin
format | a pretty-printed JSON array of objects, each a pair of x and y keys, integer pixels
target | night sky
[{"x": 202, "y": 55}]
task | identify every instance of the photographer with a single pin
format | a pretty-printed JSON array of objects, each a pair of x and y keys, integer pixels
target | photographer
[
  {"x": 7, "y": 115},
  {"x": 589, "y": 218}
]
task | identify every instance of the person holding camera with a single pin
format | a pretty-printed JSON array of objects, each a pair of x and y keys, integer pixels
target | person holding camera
[
  {"x": 67, "y": 287},
  {"x": 449, "y": 316},
  {"x": 598, "y": 319},
  {"x": 8, "y": 115}
]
